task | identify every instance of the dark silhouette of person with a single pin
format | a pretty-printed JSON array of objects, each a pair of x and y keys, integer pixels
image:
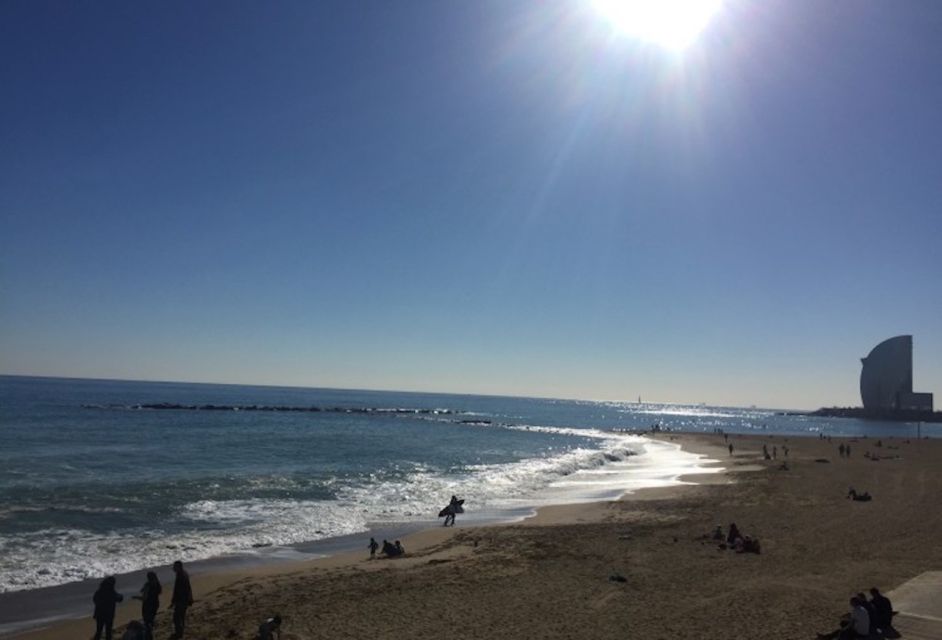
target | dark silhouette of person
[
  {"x": 150, "y": 603},
  {"x": 730, "y": 448},
  {"x": 105, "y": 599},
  {"x": 882, "y": 609},
  {"x": 454, "y": 508},
  {"x": 733, "y": 534},
  {"x": 840, "y": 449},
  {"x": 270, "y": 629},
  {"x": 181, "y": 600},
  {"x": 399, "y": 550},
  {"x": 373, "y": 547}
]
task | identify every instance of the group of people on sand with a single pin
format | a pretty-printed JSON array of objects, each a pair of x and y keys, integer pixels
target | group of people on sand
[
  {"x": 774, "y": 454},
  {"x": 862, "y": 496},
  {"x": 735, "y": 540},
  {"x": 389, "y": 549},
  {"x": 866, "y": 618},
  {"x": 106, "y": 599}
]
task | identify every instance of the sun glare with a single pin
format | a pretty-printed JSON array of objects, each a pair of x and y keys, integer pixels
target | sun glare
[{"x": 672, "y": 24}]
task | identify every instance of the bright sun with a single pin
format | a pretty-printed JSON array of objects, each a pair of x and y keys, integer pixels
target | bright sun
[{"x": 673, "y": 24}]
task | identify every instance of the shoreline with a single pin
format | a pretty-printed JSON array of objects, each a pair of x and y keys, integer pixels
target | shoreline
[
  {"x": 207, "y": 575},
  {"x": 818, "y": 547}
]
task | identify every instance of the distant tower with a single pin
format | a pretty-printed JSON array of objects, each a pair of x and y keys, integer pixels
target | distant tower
[{"x": 886, "y": 380}]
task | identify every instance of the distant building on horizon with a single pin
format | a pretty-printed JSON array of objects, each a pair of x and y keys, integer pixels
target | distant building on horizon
[{"x": 886, "y": 380}]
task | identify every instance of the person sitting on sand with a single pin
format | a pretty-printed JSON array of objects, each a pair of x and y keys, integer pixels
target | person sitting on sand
[
  {"x": 391, "y": 550},
  {"x": 882, "y": 610},
  {"x": 733, "y": 534},
  {"x": 746, "y": 545},
  {"x": 134, "y": 631},
  {"x": 870, "y": 613},
  {"x": 270, "y": 629},
  {"x": 856, "y": 625},
  {"x": 859, "y": 497}
]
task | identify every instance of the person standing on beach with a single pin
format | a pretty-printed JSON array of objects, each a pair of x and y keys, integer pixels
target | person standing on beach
[
  {"x": 105, "y": 599},
  {"x": 373, "y": 547},
  {"x": 181, "y": 600},
  {"x": 150, "y": 603},
  {"x": 730, "y": 448}
]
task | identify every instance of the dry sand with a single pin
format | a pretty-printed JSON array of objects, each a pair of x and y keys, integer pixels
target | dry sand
[{"x": 549, "y": 576}]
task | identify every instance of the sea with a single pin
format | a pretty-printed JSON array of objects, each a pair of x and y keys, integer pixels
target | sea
[{"x": 101, "y": 477}]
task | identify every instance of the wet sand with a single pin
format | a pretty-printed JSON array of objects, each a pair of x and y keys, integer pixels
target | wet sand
[{"x": 549, "y": 577}]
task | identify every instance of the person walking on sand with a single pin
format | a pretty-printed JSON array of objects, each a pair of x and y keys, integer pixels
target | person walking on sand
[
  {"x": 105, "y": 599},
  {"x": 730, "y": 448},
  {"x": 150, "y": 603},
  {"x": 181, "y": 600},
  {"x": 373, "y": 547}
]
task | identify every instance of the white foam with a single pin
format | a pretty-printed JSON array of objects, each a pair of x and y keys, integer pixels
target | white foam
[{"x": 621, "y": 464}]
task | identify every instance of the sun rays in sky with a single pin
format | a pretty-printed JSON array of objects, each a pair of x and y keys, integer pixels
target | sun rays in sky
[{"x": 672, "y": 24}]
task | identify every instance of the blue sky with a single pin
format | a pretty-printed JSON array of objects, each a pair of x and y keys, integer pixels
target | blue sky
[{"x": 485, "y": 197}]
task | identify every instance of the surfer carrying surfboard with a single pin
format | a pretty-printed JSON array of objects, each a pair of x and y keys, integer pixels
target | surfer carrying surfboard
[{"x": 454, "y": 508}]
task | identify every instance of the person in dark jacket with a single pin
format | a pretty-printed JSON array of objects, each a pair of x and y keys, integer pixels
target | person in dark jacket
[
  {"x": 105, "y": 599},
  {"x": 150, "y": 603},
  {"x": 181, "y": 599},
  {"x": 882, "y": 609}
]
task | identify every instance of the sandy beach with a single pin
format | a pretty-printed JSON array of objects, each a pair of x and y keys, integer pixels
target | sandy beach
[{"x": 549, "y": 576}]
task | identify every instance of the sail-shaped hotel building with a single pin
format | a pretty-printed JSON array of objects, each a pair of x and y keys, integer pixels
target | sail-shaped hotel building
[{"x": 886, "y": 380}]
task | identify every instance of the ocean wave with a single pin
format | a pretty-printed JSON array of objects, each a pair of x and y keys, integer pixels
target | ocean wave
[
  {"x": 54, "y": 556},
  {"x": 619, "y": 463}
]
